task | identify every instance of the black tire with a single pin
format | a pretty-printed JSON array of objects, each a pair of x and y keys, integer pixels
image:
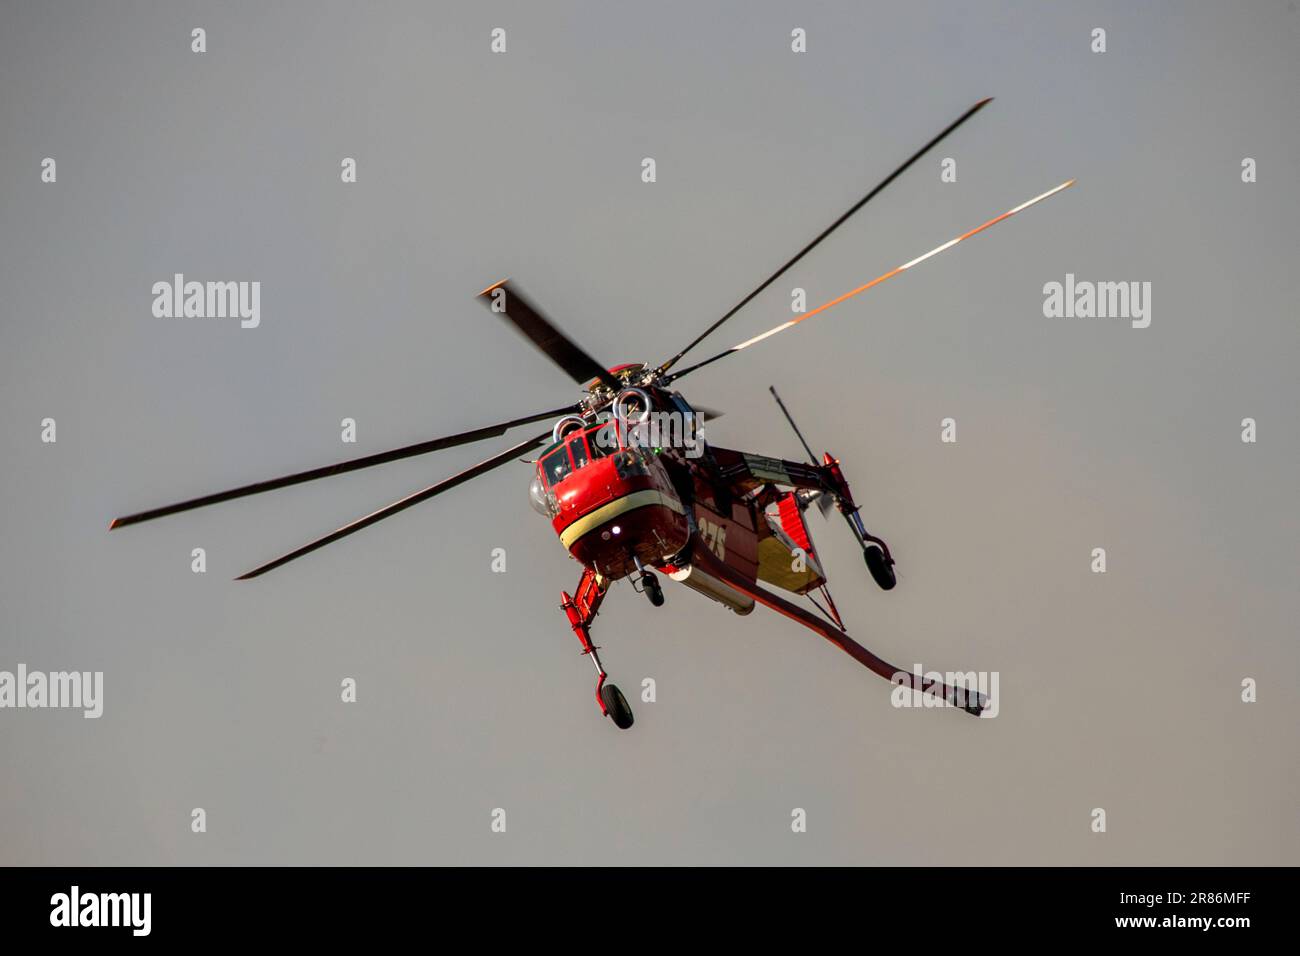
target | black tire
[
  {"x": 617, "y": 706},
  {"x": 880, "y": 569}
]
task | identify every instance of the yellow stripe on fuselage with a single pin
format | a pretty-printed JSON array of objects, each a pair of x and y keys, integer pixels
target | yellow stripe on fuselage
[{"x": 608, "y": 512}]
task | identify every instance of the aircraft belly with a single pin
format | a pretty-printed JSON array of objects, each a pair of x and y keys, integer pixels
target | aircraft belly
[{"x": 649, "y": 524}]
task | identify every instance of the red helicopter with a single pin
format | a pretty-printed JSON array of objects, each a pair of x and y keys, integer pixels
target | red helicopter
[{"x": 632, "y": 488}]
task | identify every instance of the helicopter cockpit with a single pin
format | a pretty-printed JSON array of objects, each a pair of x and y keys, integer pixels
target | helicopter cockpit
[
  {"x": 577, "y": 446},
  {"x": 576, "y": 443},
  {"x": 574, "y": 451}
]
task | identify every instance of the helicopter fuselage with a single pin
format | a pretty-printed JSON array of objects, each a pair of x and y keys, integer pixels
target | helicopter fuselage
[
  {"x": 618, "y": 508},
  {"x": 624, "y": 496}
]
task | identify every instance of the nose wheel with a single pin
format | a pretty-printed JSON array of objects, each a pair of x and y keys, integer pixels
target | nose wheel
[
  {"x": 580, "y": 608},
  {"x": 650, "y": 585},
  {"x": 616, "y": 706}
]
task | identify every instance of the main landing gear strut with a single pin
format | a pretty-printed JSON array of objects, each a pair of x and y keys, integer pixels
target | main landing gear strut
[{"x": 581, "y": 610}]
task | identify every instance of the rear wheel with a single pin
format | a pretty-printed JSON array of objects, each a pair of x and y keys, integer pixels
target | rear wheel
[
  {"x": 656, "y": 594},
  {"x": 879, "y": 567},
  {"x": 650, "y": 584},
  {"x": 616, "y": 705}
]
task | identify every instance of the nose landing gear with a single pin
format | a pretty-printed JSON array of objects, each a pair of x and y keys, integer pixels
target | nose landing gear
[
  {"x": 581, "y": 611},
  {"x": 616, "y": 706}
]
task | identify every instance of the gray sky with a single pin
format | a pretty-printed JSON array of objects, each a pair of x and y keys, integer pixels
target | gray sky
[{"x": 1119, "y": 691}]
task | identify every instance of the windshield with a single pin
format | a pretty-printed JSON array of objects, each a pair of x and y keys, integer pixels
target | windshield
[
  {"x": 602, "y": 440},
  {"x": 556, "y": 466},
  {"x": 578, "y": 450}
]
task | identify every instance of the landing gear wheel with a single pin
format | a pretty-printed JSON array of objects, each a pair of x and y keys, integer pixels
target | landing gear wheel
[
  {"x": 650, "y": 584},
  {"x": 616, "y": 705},
  {"x": 880, "y": 569}
]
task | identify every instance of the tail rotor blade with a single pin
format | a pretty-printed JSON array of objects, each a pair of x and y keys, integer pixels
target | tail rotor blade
[{"x": 825, "y": 504}]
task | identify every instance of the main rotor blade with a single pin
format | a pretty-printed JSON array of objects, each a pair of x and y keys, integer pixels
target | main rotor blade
[
  {"x": 563, "y": 351},
  {"x": 874, "y": 282},
  {"x": 352, "y": 464},
  {"x": 414, "y": 499},
  {"x": 829, "y": 229}
]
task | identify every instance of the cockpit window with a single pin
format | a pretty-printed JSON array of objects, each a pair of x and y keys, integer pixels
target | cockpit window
[
  {"x": 556, "y": 466},
  {"x": 602, "y": 440},
  {"x": 578, "y": 450}
]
